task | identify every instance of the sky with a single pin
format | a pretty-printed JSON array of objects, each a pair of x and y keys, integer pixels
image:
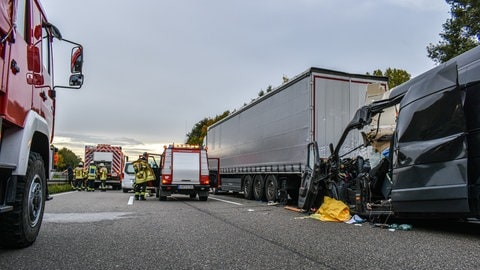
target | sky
[{"x": 154, "y": 68}]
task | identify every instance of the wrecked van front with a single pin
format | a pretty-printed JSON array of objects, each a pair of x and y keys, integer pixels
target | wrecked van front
[{"x": 432, "y": 168}]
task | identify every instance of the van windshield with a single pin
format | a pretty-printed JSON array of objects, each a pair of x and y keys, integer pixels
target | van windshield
[{"x": 129, "y": 168}]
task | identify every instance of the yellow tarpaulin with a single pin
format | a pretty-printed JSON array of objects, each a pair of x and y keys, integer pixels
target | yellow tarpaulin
[{"x": 332, "y": 210}]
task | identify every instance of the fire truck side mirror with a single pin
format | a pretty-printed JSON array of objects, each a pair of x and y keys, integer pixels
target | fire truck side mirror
[
  {"x": 77, "y": 60},
  {"x": 76, "y": 80}
]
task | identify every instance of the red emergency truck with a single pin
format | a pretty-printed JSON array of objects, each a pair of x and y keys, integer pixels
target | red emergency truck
[
  {"x": 27, "y": 113},
  {"x": 112, "y": 157},
  {"x": 184, "y": 170}
]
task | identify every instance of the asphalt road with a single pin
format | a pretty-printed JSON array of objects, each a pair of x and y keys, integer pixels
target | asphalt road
[{"x": 109, "y": 230}]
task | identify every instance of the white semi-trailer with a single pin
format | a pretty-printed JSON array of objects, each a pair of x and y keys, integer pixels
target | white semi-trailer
[{"x": 261, "y": 149}]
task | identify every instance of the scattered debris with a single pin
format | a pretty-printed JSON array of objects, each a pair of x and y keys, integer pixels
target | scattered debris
[
  {"x": 295, "y": 209},
  {"x": 356, "y": 219}
]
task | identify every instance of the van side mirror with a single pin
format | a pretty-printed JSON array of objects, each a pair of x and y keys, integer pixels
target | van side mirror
[{"x": 77, "y": 60}]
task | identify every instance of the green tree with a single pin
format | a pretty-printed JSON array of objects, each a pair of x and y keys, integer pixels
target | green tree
[
  {"x": 460, "y": 33},
  {"x": 199, "y": 130},
  {"x": 395, "y": 76},
  {"x": 67, "y": 157}
]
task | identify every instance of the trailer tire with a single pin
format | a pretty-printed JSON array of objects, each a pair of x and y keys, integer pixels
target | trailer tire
[
  {"x": 271, "y": 188},
  {"x": 248, "y": 187},
  {"x": 20, "y": 227},
  {"x": 259, "y": 188}
]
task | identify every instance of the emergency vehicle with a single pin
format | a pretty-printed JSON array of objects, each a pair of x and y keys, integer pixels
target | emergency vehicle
[
  {"x": 112, "y": 157},
  {"x": 184, "y": 171},
  {"x": 27, "y": 113}
]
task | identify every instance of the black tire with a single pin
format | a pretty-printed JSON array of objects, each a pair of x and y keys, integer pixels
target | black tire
[
  {"x": 271, "y": 188},
  {"x": 162, "y": 198},
  {"x": 20, "y": 227},
  {"x": 202, "y": 198},
  {"x": 258, "y": 188},
  {"x": 125, "y": 190},
  {"x": 248, "y": 187},
  {"x": 193, "y": 195}
]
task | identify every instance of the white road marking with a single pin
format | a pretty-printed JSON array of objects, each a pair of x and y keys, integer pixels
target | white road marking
[
  {"x": 63, "y": 193},
  {"x": 83, "y": 217},
  {"x": 225, "y": 201},
  {"x": 130, "y": 200}
]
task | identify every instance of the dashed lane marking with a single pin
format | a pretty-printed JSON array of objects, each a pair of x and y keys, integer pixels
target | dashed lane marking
[{"x": 130, "y": 200}]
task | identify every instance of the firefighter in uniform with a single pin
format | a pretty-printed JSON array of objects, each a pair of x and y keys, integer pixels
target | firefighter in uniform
[
  {"x": 85, "y": 178},
  {"x": 102, "y": 175},
  {"x": 79, "y": 175},
  {"x": 91, "y": 176},
  {"x": 143, "y": 174}
]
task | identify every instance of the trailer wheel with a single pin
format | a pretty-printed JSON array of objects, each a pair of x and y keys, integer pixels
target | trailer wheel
[
  {"x": 20, "y": 227},
  {"x": 271, "y": 188},
  {"x": 258, "y": 188},
  {"x": 248, "y": 187}
]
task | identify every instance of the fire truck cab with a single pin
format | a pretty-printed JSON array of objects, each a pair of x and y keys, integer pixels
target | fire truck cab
[
  {"x": 184, "y": 170},
  {"x": 27, "y": 114}
]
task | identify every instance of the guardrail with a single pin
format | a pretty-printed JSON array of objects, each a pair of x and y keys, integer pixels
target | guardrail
[{"x": 57, "y": 178}]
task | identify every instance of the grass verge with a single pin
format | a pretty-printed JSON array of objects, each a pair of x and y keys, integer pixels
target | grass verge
[{"x": 58, "y": 188}]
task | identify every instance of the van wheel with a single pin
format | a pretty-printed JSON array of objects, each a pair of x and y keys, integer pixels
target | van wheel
[
  {"x": 271, "y": 188},
  {"x": 258, "y": 188},
  {"x": 193, "y": 195},
  {"x": 248, "y": 187},
  {"x": 20, "y": 227}
]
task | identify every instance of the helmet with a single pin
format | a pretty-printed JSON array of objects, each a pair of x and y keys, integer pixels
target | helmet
[
  {"x": 91, "y": 163},
  {"x": 80, "y": 164},
  {"x": 101, "y": 165}
]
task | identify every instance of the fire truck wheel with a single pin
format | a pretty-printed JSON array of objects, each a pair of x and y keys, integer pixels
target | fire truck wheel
[
  {"x": 248, "y": 187},
  {"x": 271, "y": 188},
  {"x": 20, "y": 227}
]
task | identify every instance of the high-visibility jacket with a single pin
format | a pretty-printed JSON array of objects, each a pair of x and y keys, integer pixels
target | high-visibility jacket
[
  {"x": 92, "y": 172},
  {"x": 143, "y": 172},
  {"x": 79, "y": 173},
  {"x": 103, "y": 173}
]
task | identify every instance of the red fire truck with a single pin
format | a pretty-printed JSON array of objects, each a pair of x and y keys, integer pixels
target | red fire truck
[
  {"x": 184, "y": 171},
  {"x": 27, "y": 113},
  {"x": 111, "y": 157}
]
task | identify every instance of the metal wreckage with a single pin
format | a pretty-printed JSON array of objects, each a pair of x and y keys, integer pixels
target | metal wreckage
[{"x": 430, "y": 167}]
